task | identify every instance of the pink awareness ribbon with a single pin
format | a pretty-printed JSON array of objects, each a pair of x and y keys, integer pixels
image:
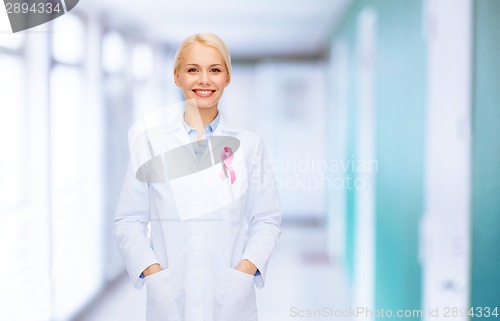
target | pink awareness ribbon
[{"x": 227, "y": 158}]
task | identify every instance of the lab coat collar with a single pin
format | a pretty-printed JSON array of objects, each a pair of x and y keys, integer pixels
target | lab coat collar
[
  {"x": 225, "y": 128},
  {"x": 225, "y": 125},
  {"x": 176, "y": 129}
]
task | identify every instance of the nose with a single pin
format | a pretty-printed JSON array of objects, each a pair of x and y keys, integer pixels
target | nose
[{"x": 204, "y": 78}]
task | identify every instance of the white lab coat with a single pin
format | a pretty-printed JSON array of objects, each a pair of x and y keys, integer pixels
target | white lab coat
[{"x": 198, "y": 254}]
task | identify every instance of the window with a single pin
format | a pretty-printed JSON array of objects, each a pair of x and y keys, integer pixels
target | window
[
  {"x": 114, "y": 53},
  {"x": 142, "y": 62},
  {"x": 25, "y": 294},
  {"x": 76, "y": 210},
  {"x": 69, "y": 39},
  {"x": 12, "y": 135},
  {"x": 145, "y": 92},
  {"x": 12, "y": 41},
  {"x": 66, "y": 132}
]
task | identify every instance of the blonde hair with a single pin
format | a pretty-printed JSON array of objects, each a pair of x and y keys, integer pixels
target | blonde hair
[{"x": 207, "y": 39}]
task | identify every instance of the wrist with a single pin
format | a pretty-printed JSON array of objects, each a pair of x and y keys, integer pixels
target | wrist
[
  {"x": 247, "y": 267},
  {"x": 153, "y": 268}
]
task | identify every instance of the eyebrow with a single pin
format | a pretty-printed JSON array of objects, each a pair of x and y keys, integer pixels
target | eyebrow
[{"x": 196, "y": 65}]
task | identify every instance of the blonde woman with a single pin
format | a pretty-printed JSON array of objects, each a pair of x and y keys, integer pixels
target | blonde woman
[{"x": 215, "y": 212}]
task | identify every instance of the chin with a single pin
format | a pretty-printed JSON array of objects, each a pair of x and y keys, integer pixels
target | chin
[{"x": 206, "y": 105}]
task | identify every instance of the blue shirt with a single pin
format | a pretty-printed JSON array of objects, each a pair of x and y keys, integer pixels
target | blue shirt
[{"x": 199, "y": 148}]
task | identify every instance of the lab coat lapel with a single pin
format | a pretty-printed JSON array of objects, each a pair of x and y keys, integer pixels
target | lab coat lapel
[
  {"x": 229, "y": 134},
  {"x": 179, "y": 135},
  {"x": 224, "y": 128}
]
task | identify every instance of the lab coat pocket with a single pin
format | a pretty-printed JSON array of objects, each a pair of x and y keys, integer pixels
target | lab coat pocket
[
  {"x": 160, "y": 302},
  {"x": 210, "y": 190},
  {"x": 238, "y": 300}
]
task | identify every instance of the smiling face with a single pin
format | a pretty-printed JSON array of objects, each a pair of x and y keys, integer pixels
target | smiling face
[{"x": 202, "y": 74}]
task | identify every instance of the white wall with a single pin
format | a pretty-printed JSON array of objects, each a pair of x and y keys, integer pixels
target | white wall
[{"x": 446, "y": 221}]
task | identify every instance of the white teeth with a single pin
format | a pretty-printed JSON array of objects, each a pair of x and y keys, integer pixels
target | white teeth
[{"x": 204, "y": 92}]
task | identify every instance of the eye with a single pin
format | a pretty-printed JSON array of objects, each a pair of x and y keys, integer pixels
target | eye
[
  {"x": 216, "y": 70},
  {"x": 192, "y": 70}
]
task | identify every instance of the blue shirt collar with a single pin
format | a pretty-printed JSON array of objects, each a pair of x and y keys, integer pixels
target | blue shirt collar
[{"x": 209, "y": 128}]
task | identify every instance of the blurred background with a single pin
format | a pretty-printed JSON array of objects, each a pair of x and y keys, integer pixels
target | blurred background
[{"x": 382, "y": 118}]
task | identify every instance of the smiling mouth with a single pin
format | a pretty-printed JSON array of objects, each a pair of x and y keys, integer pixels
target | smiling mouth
[{"x": 203, "y": 92}]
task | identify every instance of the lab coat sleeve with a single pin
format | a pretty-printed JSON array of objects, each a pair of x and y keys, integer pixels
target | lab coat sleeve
[
  {"x": 263, "y": 213},
  {"x": 130, "y": 230}
]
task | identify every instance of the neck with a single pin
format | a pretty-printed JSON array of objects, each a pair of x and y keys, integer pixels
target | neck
[{"x": 199, "y": 117}]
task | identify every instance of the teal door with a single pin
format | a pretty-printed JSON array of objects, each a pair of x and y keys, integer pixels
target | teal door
[{"x": 485, "y": 278}]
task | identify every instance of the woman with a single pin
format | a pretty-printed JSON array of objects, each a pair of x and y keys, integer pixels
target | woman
[{"x": 215, "y": 213}]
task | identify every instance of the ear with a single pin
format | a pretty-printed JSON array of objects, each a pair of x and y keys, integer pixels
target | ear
[
  {"x": 227, "y": 81},
  {"x": 176, "y": 79}
]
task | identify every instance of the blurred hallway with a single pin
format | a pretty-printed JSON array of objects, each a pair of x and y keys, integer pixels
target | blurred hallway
[{"x": 381, "y": 119}]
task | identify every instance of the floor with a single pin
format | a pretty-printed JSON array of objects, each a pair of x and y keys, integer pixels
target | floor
[{"x": 302, "y": 284}]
